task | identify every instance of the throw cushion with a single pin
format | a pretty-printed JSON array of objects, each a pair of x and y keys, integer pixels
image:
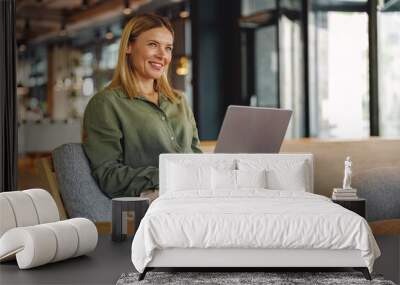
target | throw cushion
[{"x": 281, "y": 174}]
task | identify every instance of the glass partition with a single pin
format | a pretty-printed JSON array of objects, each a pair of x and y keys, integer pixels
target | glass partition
[
  {"x": 275, "y": 64},
  {"x": 266, "y": 66},
  {"x": 389, "y": 71}
]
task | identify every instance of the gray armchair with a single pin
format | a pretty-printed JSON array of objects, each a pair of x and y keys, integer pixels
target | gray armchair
[
  {"x": 381, "y": 188},
  {"x": 79, "y": 191}
]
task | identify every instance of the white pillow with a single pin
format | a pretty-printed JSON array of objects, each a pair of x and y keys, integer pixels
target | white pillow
[
  {"x": 293, "y": 179},
  {"x": 228, "y": 179},
  {"x": 223, "y": 179},
  {"x": 182, "y": 177},
  {"x": 281, "y": 174},
  {"x": 251, "y": 178}
]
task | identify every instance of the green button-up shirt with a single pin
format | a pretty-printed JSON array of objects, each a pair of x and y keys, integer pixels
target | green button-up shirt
[{"x": 124, "y": 138}]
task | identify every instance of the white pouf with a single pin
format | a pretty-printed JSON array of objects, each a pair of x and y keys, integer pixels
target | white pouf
[
  {"x": 41, "y": 244},
  {"x": 31, "y": 232}
]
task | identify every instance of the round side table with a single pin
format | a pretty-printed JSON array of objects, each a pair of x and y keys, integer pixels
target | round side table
[{"x": 120, "y": 208}]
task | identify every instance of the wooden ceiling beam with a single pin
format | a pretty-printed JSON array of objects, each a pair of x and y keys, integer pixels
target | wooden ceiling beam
[
  {"x": 95, "y": 11},
  {"x": 20, "y": 23},
  {"x": 40, "y": 13},
  {"x": 22, "y": 4},
  {"x": 32, "y": 34}
]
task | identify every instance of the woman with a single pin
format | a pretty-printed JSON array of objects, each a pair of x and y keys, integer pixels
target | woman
[{"x": 138, "y": 116}]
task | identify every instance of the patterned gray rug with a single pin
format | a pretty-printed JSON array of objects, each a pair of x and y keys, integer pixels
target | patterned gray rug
[{"x": 242, "y": 278}]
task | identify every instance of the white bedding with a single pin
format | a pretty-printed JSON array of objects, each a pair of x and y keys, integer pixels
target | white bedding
[{"x": 251, "y": 218}]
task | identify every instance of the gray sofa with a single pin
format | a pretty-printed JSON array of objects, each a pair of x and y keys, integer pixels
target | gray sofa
[{"x": 79, "y": 191}]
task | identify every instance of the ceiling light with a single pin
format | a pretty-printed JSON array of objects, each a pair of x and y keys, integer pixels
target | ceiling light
[
  {"x": 183, "y": 66},
  {"x": 85, "y": 4},
  {"x": 63, "y": 31},
  {"x": 22, "y": 48},
  {"x": 127, "y": 8},
  {"x": 184, "y": 14},
  {"x": 22, "y": 90},
  {"x": 109, "y": 34},
  {"x": 127, "y": 11}
]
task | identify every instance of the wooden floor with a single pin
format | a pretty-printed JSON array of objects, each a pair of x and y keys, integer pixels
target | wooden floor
[{"x": 104, "y": 265}]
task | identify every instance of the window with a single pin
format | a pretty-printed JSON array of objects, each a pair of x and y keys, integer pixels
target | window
[
  {"x": 109, "y": 56},
  {"x": 338, "y": 70}
]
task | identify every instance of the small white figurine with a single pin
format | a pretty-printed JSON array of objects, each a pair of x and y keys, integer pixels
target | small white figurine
[{"x": 347, "y": 174}]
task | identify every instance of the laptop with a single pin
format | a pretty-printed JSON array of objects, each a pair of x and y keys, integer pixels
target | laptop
[{"x": 252, "y": 130}]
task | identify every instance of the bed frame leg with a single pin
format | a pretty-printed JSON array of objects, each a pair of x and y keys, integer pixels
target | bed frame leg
[
  {"x": 143, "y": 274},
  {"x": 364, "y": 271}
]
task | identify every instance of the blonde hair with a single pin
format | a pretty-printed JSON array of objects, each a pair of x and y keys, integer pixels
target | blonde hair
[{"x": 124, "y": 76}]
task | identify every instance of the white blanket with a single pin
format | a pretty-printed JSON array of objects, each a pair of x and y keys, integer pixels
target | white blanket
[{"x": 250, "y": 219}]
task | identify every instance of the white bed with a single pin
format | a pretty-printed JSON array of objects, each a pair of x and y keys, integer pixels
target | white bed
[{"x": 203, "y": 220}]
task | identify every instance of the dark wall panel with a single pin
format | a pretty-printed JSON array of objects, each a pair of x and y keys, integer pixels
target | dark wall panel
[
  {"x": 8, "y": 124},
  {"x": 216, "y": 62}
]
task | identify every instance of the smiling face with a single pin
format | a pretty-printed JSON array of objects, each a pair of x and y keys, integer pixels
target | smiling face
[{"x": 151, "y": 53}]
